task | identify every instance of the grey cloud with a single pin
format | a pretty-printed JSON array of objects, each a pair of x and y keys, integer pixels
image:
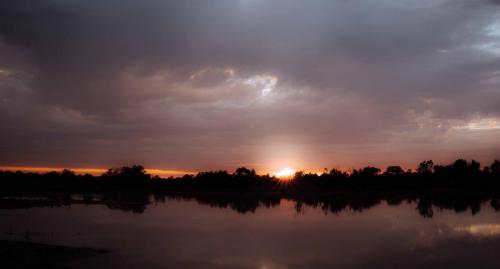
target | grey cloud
[{"x": 171, "y": 78}]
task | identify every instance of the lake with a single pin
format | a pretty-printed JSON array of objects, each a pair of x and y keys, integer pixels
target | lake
[{"x": 184, "y": 233}]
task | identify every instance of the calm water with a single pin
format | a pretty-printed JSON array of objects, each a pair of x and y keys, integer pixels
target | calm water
[{"x": 185, "y": 234}]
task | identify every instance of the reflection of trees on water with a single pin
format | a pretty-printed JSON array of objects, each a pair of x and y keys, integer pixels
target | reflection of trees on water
[
  {"x": 459, "y": 203},
  {"x": 138, "y": 201},
  {"x": 134, "y": 201}
]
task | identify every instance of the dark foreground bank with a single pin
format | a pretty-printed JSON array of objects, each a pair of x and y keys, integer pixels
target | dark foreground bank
[{"x": 24, "y": 254}]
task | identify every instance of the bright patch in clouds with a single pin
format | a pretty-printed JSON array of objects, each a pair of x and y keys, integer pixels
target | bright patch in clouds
[
  {"x": 5, "y": 72},
  {"x": 493, "y": 29},
  {"x": 481, "y": 124},
  {"x": 265, "y": 83}
]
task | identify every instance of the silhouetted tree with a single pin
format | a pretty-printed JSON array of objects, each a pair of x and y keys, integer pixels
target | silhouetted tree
[
  {"x": 66, "y": 173},
  {"x": 334, "y": 173},
  {"x": 425, "y": 167},
  {"x": 244, "y": 172},
  {"x": 460, "y": 167},
  {"x": 495, "y": 167},
  {"x": 474, "y": 167},
  {"x": 125, "y": 176},
  {"x": 394, "y": 171},
  {"x": 298, "y": 175},
  {"x": 214, "y": 179},
  {"x": 368, "y": 172}
]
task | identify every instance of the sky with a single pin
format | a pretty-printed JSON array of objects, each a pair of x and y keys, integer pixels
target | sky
[{"x": 202, "y": 85}]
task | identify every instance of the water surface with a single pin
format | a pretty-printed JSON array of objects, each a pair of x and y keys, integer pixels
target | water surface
[{"x": 186, "y": 234}]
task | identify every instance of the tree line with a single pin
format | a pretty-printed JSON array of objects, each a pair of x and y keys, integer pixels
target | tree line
[
  {"x": 461, "y": 186},
  {"x": 459, "y": 174}
]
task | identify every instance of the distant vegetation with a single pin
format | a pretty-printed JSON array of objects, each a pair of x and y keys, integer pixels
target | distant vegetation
[
  {"x": 459, "y": 186},
  {"x": 459, "y": 174}
]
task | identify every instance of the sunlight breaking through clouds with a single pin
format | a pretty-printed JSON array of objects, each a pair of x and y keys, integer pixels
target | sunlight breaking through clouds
[
  {"x": 265, "y": 83},
  {"x": 480, "y": 125},
  {"x": 494, "y": 28},
  {"x": 492, "y": 42}
]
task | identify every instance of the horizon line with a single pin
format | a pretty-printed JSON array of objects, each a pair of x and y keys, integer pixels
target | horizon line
[
  {"x": 92, "y": 171},
  {"x": 100, "y": 171},
  {"x": 168, "y": 172}
]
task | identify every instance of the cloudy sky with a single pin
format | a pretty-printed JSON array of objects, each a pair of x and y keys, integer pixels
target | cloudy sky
[{"x": 195, "y": 85}]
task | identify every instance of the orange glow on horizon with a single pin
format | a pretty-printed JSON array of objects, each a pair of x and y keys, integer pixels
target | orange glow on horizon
[
  {"x": 92, "y": 171},
  {"x": 283, "y": 173}
]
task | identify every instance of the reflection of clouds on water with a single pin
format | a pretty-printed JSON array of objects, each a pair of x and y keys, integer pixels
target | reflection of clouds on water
[
  {"x": 480, "y": 229},
  {"x": 196, "y": 233}
]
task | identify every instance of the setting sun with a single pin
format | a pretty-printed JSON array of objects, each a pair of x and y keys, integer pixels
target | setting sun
[{"x": 285, "y": 172}]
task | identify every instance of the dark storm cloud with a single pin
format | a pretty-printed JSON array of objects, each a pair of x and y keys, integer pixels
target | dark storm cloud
[{"x": 195, "y": 84}]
